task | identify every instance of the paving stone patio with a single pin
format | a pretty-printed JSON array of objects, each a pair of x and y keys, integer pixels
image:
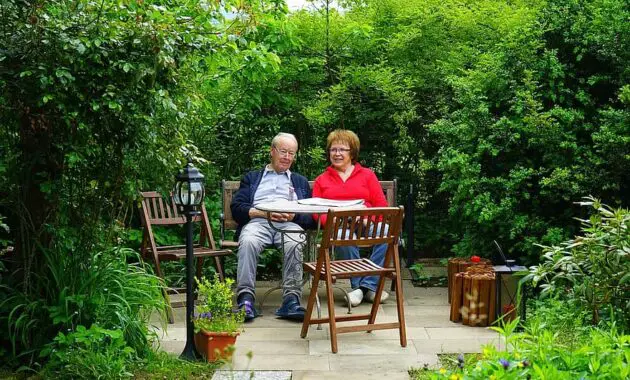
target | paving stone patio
[{"x": 276, "y": 345}]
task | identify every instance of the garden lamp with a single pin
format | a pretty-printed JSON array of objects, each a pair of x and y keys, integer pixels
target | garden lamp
[
  {"x": 506, "y": 291},
  {"x": 189, "y": 191},
  {"x": 188, "y": 195}
]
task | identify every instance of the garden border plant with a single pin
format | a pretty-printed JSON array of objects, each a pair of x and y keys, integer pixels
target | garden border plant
[
  {"x": 217, "y": 323},
  {"x": 594, "y": 267}
]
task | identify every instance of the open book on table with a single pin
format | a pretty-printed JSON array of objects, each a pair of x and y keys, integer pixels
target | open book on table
[{"x": 330, "y": 202}]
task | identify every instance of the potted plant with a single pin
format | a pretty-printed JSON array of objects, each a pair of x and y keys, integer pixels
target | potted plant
[{"x": 216, "y": 322}]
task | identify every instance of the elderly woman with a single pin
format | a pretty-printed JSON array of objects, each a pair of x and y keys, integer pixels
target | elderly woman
[{"x": 346, "y": 179}]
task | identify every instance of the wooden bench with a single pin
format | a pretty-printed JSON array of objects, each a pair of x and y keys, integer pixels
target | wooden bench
[{"x": 228, "y": 188}]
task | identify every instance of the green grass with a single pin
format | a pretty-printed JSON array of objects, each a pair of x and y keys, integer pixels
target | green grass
[
  {"x": 8, "y": 375},
  {"x": 161, "y": 365},
  {"x": 157, "y": 365},
  {"x": 428, "y": 274}
]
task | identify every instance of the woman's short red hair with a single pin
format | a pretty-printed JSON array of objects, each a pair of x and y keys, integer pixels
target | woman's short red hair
[{"x": 345, "y": 136}]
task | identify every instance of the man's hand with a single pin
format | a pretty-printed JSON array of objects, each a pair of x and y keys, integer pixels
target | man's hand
[
  {"x": 256, "y": 213},
  {"x": 282, "y": 217},
  {"x": 275, "y": 216}
]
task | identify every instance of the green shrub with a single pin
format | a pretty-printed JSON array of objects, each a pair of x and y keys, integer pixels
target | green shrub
[
  {"x": 593, "y": 268},
  {"x": 215, "y": 311},
  {"x": 564, "y": 317},
  {"x": 107, "y": 288},
  {"x": 94, "y": 353},
  {"x": 541, "y": 353}
]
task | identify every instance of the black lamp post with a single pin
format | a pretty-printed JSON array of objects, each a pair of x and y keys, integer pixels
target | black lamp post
[{"x": 188, "y": 195}]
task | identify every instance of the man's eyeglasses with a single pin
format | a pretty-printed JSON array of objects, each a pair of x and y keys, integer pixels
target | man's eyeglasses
[
  {"x": 339, "y": 150},
  {"x": 284, "y": 152}
]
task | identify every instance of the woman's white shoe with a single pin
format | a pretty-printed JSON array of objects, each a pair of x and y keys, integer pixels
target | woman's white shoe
[
  {"x": 356, "y": 297},
  {"x": 370, "y": 295}
]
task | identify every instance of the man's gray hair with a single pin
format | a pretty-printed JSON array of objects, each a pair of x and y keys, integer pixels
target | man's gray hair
[{"x": 283, "y": 135}]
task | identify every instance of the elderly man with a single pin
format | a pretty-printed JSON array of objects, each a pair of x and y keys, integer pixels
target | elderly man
[{"x": 271, "y": 183}]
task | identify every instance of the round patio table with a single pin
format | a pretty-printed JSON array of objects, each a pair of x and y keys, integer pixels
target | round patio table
[{"x": 302, "y": 237}]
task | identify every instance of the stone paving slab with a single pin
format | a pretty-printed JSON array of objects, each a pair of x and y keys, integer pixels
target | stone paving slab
[
  {"x": 272, "y": 344},
  {"x": 173, "y": 347},
  {"x": 378, "y": 335},
  {"x": 270, "y": 361},
  {"x": 458, "y": 331},
  {"x": 296, "y": 346},
  {"x": 361, "y": 347},
  {"x": 427, "y": 296},
  {"x": 289, "y": 333},
  {"x": 440, "y": 311},
  {"x": 251, "y": 375},
  {"x": 340, "y": 311},
  {"x": 379, "y": 363},
  {"x": 344, "y": 375},
  {"x": 428, "y": 321}
]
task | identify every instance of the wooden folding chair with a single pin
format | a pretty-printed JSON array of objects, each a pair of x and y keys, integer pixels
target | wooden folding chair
[
  {"x": 157, "y": 211},
  {"x": 347, "y": 228}
]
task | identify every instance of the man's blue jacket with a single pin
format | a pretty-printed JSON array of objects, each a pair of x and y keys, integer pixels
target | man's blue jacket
[{"x": 244, "y": 198}]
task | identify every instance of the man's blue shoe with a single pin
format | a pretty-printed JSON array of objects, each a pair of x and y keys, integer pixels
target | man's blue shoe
[
  {"x": 246, "y": 303},
  {"x": 291, "y": 309}
]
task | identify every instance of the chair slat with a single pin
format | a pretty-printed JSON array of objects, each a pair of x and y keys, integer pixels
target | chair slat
[
  {"x": 145, "y": 206},
  {"x": 370, "y": 229},
  {"x": 348, "y": 265},
  {"x": 361, "y": 227},
  {"x": 161, "y": 203},
  {"x": 385, "y": 221},
  {"x": 174, "y": 208},
  {"x": 154, "y": 210},
  {"x": 354, "y": 224},
  {"x": 169, "y": 214},
  {"x": 168, "y": 221}
]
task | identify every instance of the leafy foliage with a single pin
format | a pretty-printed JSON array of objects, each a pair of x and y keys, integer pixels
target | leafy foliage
[
  {"x": 593, "y": 268},
  {"x": 500, "y": 114},
  {"x": 549, "y": 350},
  {"x": 88, "y": 354},
  {"x": 101, "y": 289},
  {"x": 521, "y": 140},
  {"x": 215, "y": 312},
  {"x": 98, "y": 101}
]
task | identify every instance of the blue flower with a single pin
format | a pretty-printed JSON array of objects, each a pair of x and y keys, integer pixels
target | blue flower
[
  {"x": 504, "y": 363},
  {"x": 206, "y": 315},
  {"x": 460, "y": 360}
]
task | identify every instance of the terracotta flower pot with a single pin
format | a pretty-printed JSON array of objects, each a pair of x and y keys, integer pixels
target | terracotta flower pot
[{"x": 215, "y": 345}]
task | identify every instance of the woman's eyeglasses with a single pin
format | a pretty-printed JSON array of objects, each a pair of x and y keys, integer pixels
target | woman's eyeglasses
[{"x": 339, "y": 150}]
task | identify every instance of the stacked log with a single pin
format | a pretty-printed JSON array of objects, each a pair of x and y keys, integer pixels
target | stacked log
[
  {"x": 473, "y": 296},
  {"x": 457, "y": 265},
  {"x": 456, "y": 297}
]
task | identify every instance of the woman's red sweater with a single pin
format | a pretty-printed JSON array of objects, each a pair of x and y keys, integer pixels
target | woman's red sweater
[{"x": 362, "y": 184}]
